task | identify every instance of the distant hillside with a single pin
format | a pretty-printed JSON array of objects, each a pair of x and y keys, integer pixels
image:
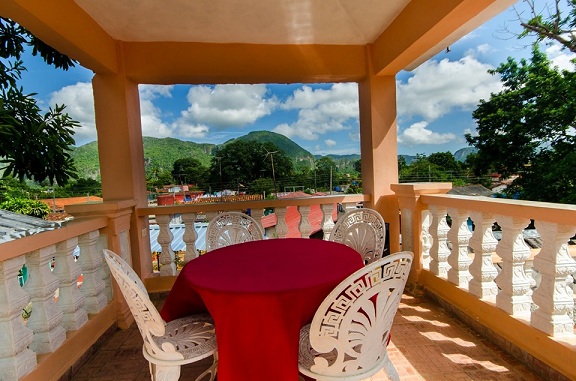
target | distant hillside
[
  {"x": 291, "y": 149},
  {"x": 159, "y": 153},
  {"x": 462, "y": 153}
]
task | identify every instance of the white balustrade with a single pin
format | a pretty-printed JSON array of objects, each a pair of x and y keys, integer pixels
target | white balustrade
[
  {"x": 281, "y": 226},
  {"x": 514, "y": 295},
  {"x": 91, "y": 260},
  {"x": 459, "y": 235},
  {"x": 16, "y": 359},
  {"x": 483, "y": 244},
  {"x": 167, "y": 256},
  {"x": 439, "y": 251},
  {"x": 554, "y": 296},
  {"x": 46, "y": 318},
  {"x": 70, "y": 299},
  {"x": 304, "y": 224},
  {"x": 327, "y": 221},
  {"x": 189, "y": 236}
]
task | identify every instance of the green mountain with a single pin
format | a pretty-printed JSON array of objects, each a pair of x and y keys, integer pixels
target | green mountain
[
  {"x": 161, "y": 153},
  {"x": 462, "y": 153},
  {"x": 291, "y": 149}
]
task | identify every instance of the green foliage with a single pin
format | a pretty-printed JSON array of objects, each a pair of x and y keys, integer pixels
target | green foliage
[
  {"x": 34, "y": 145},
  {"x": 530, "y": 121},
  {"x": 552, "y": 25},
  {"x": 189, "y": 171},
  {"x": 26, "y": 206},
  {"x": 240, "y": 163}
]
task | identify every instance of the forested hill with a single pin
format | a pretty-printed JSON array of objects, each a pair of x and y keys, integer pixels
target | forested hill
[
  {"x": 291, "y": 149},
  {"x": 161, "y": 153}
]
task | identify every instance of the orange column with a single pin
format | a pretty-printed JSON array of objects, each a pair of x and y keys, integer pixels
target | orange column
[
  {"x": 117, "y": 108},
  {"x": 378, "y": 146}
]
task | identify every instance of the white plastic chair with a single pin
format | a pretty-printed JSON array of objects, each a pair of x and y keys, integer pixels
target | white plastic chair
[
  {"x": 350, "y": 330},
  {"x": 230, "y": 228},
  {"x": 363, "y": 230},
  {"x": 167, "y": 346}
]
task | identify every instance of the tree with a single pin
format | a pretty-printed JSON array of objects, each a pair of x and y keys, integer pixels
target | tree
[
  {"x": 241, "y": 162},
  {"x": 190, "y": 171},
  {"x": 325, "y": 171},
  {"x": 527, "y": 129},
  {"x": 552, "y": 26},
  {"x": 34, "y": 144}
]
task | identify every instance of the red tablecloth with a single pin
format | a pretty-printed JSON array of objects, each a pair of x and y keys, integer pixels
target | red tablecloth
[{"x": 260, "y": 294}]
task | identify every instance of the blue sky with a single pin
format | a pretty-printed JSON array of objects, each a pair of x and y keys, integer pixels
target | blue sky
[{"x": 435, "y": 101}]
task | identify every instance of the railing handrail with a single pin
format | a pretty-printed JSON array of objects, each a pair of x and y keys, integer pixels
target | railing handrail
[
  {"x": 74, "y": 228},
  {"x": 241, "y": 205},
  {"x": 565, "y": 213}
]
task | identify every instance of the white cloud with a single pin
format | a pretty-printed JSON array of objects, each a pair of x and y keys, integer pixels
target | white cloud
[
  {"x": 79, "y": 102},
  {"x": 330, "y": 142},
  {"x": 150, "y": 115},
  {"x": 417, "y": 133},
  {"x": 321, "y": 111},
  {"x": 437, "y": 88},
  {"x": 224, "y": 106},
  {"x": 560, "y": 57}
]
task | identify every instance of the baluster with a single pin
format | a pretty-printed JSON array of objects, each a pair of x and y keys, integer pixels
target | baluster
[
  {"x": 91, "y": 260},
  {"x": 257, "y": 214},
  {"x": 16, "y": 359},
  {"x": 554, "y": 295},
  {"x": 101, "y": 244},
  {"x": 483, "y": 243},
  {"x": 189, "y": 236},
  {"x": 281, "y": 226},
  {"x": 459, "y": 235},
  {"x": 439, "y": 251},
  {"x": 70, "y": 299},
  {"x": 426, "y": 238},
  {"x": 514, "y": 284},
  {"x": 304, "y": 224},
  {"x": 327, "y": 221},
  {"x": 46, "y": 318},
  {"x": 167, "y": 265}
]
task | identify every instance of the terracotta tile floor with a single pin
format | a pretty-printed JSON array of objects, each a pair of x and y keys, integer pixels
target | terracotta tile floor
[{"x": 427, "y": 344}]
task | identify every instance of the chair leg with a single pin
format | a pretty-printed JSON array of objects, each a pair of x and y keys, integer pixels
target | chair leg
[
  {"x": 210, "y": 371},
  {"x": 164, "y": 372},
  {"x": 391, "y": 371}
]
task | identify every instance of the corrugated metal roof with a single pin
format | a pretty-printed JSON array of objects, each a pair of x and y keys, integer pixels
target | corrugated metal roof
[
  {"x": 16, "y": 225},
  {"x": 177, "y": 231}
]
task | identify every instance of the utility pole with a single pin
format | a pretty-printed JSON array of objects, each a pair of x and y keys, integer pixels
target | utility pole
[
  {"x": 330, "y": 179},
  {"x": 273, "y": 174},
  {"x": 221, "y": 183}
]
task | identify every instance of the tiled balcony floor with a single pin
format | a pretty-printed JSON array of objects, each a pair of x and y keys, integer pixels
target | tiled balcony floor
[{"x": 427, "y": 344}]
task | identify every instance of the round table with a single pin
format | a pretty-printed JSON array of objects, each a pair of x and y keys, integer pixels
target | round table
[{"x": 260, "y": 294}]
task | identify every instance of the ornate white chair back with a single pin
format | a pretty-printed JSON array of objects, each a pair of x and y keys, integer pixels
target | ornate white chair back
[
  {"x": 230, "y": 228},
  {"x": 147, "y": 317},
  {"x": 363, "y": 230},
  {"x": 351, "y": 328}
]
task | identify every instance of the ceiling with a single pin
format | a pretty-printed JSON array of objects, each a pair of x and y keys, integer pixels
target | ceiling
[{"x": 332, "y": 22}]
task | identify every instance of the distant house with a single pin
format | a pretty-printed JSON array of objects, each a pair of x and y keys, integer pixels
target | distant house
[{"x": 57, "y": 206}]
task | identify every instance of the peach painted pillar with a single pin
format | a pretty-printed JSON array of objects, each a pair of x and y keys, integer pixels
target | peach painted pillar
[
  {"x": 121, "y": 151},
  {"x": 378, "y": 148}
]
